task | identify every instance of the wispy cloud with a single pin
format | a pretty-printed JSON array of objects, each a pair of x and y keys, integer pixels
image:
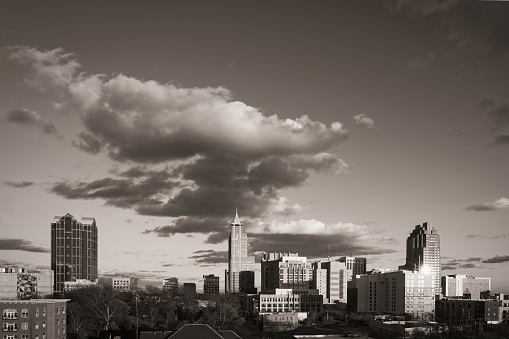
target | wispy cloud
[
  {"x": 364, "y": 120},
  {"x": 210, "y": 257},
  {"x": 499, "y": 204},
  {"x": 30, "y": 118},
  {"x": 498, "y": 115},
  {"x": 18, "y": 184},
  {"x": 501, "y": 236},
  {"x": 497, "y": 259},
  {"x": 20, "y": 245}
]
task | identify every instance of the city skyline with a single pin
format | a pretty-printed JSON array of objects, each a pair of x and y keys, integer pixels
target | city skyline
[{"x": 345, "y": 123}]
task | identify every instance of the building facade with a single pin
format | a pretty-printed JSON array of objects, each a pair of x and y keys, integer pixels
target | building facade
[
  {"x": 334, "y": 288},
  {"x": 285, "y": 271},
  {"x": 23, "y": 283},
  {"x": 397, "y": 292},
  {"x": 423, "y": 253},
  {"x": 124, "y": 284},
  {"x": 466, "y": 311},
  {"x": 34, "y": 319},
  {"x": 189, "y": 288},
  {"x": 73, "y": 249},
  {"x": 238, "y": 258},
  {"x": 463, "y": 285},
  {"x": 171, "y": 285},
  {"x": 247, "y": 282},
  {"x": 354, "y": 266},
  {"x": 210, "y": 284},
  {"x": 286, "y": 300}
]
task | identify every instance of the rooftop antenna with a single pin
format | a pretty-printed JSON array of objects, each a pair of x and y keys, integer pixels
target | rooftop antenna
[{"x": 328, "y": 252}]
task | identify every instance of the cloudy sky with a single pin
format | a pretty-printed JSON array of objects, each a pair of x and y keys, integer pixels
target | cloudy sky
[{"x": 341, "y": 122}]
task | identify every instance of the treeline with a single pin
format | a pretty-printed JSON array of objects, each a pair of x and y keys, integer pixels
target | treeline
[{"x": 95, "y": 309}]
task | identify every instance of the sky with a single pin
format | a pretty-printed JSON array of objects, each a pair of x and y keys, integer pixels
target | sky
[{"x": 335, "y": 122}]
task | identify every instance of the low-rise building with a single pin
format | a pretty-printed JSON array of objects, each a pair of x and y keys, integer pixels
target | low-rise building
[
  {"x": 287, "y": 300},
  {"x": 79, "y": 283},
  {"x": 459, "y": 285},
  {"x": 23, "y": 283},
  {"x": 467, "y": 311},
  {"x": 397, "y": 292},
  {"x": 36, "y": 318},
  {"x": 170, "y": 285},
  {"x": 278, "y": 322}
]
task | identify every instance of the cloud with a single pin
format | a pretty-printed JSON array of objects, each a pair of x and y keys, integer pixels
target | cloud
[
  {"x": 499, "y": 204},
  {"x": 29, "y": 118},
  {"x": 501, "y": 236},
  {"x": 19, "y": 184},
  {"x": 312, "y": 237},
  {"x": 498, "y": 259},
  {"x": 194, "y": 154},
  {"x": 364, "y": 120},
  {"x": 20, "y": 245},
  {"x": 473, "y": 28},
  {"x": 51, "y": 69},
  {"x": 210, "y": 257},
  {"x": 498, "y": 115}
]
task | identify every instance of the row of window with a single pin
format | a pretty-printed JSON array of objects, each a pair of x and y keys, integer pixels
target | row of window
[{"x": 11, "y": 313}]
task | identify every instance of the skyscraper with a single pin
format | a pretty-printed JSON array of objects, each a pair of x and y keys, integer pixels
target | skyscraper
[
  {"x": 423, "y": 253},
  {"x": 238, "y": 258},
  {"x": 73, "y": 249}
]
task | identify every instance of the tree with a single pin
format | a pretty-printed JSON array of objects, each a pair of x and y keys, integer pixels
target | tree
[
  {"x": 224, "y": 313},
  {"x": 93, "y": 309}
]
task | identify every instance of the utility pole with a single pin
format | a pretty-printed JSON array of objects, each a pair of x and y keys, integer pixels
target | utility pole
[{"x": 137, "y": 332}]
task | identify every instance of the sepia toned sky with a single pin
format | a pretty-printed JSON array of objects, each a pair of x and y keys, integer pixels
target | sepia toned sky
[{"x": 340, "y": 122}]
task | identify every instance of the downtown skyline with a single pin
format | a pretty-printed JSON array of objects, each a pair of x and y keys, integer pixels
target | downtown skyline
[{"x": 345, "y": 123}]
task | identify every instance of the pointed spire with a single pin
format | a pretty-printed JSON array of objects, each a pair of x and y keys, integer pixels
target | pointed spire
[{"x": 237, "y": 220}]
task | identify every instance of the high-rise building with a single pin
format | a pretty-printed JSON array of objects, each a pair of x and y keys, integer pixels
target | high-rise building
[
  {"x": 210, "y": 284},
  {"x": 73, "y": 249},
  {"x": 285, "y": 271},
  {"x": 238, "y": 258},
  {"x": 463, "y": 285},
  {"x": 247, "y": 282},
  {"x": 423, "y": 253}
]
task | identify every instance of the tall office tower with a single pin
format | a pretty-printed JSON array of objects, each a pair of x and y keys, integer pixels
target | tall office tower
[
  {"x": 73, "y": 249},
  {"x": 423, "y": 253},
  {"x": 285, "y": 271},
  {"x": 238, "y": 258}
]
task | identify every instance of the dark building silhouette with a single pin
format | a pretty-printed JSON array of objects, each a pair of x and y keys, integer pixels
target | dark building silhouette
[{"x": 210, "y": 284}]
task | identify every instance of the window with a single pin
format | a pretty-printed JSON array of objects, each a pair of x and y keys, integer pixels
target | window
[
  {"x": 37, "y": 312},
  {"x": 58, "y": 321},
  {"x": 63, "y": 321},
  {"x": 24, "y": 336},
  {"x": 43, "y": 335},
  {"x": 10, "y": 314},
  {"x": 36, "y": 325},
  {"x": 44, "y": 324},
  {"x": 58, "y": 310},
  {"x": 24, "y": 326},
  {"x": 10, "y": 327},
  {"x": 63, "y": 309},
  {"x": 44, "y": 311},
  {"x": 24, "y": 313},
  {"x": 10, "y": 336}
]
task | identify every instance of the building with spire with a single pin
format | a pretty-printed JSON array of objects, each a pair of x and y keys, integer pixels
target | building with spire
[
  {"x": 238, "y": 258},
  {"x": 423, "y": 253},
  {"x": 73, "y": 250}
]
